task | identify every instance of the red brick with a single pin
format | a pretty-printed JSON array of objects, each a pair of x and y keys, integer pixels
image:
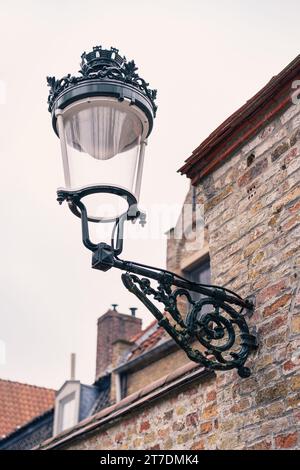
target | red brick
[
  {"x": 206, "y": 427},
  {"x": 270, "y": 291},
  {"x": 209, "y": 412},
  {"x": 295, "y": 208},
  {"x": 211, "y": 396},
  {"x": 291, "y": 222},
  {"x": 199, "y": 445},
  {"x": 119, "y": 437},
  {"x": 164, "y": 433},
  {"x": 289, "y": 365},
  {"x": 279, "y": 303},
  {"x": 285, "y": 441},
  {"x": 145, "y": 425}
]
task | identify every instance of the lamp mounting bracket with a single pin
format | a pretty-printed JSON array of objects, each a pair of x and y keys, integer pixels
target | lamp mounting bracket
[{"x": 214, "y": 332}]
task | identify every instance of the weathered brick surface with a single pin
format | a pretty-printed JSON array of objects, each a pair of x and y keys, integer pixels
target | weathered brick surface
[
  {"x": 155, "y": 370},
  {"x": 113, "y": 326},
  {"x": 253, "y": 228}
]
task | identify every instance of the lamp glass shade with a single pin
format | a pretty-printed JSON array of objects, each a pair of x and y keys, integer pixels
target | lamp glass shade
[
  {"x": 103, "y": 131},
  {"x": 101, "y": 141}
]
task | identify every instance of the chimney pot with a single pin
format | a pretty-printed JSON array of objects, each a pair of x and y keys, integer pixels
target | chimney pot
[{"x": 133, "y": 311}]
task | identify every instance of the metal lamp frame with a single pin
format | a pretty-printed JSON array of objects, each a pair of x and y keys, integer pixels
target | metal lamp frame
[
  {"x": 214, "y": 332},
  {"x": 223, "y": 333}
]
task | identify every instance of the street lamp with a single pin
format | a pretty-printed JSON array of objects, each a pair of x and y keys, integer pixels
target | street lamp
[{"x": 103, "y": 118}]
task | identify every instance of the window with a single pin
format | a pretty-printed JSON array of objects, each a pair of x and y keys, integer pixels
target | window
[
  {"x": 199, "y": 273},
  {"x": 67, "y": 415}
]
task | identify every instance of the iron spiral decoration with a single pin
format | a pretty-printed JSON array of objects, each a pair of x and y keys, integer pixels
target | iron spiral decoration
[{"x": 213, "y": 333}]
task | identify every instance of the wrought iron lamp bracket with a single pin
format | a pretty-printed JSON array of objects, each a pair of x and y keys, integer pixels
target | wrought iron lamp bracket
[{"x": 214, "y": 332}]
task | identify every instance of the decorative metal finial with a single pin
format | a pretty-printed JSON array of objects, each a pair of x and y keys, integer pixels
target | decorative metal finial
[
  {"x": 114, "y": 306},
  {"x": 99, "y": 58},
  {"x": 106, "y": 65}
]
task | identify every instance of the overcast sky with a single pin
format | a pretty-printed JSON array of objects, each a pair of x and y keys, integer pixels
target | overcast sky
[{"x": 206, "y": 58}]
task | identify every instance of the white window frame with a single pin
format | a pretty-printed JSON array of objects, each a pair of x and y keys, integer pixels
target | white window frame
[{"x": 71, "y": 388}]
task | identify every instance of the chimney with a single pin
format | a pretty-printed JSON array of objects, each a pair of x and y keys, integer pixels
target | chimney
[
  {"x": 111, "y": 327},
  {"x": 73, "y": 366}
]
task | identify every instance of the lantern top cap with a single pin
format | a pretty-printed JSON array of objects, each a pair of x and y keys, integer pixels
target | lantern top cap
[
  {"x": 98, "y": 58},
  {"x": 105, "y": 65}
]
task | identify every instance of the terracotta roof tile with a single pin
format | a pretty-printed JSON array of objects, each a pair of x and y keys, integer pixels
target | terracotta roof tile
[
  {"x": 20, "y": 403},
  {"x": 149, "y": 342},
  {"x": 141, "y": 333}
]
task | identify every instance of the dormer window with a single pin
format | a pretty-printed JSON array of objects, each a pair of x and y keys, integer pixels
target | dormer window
[
  {"x": 75, "y": 401},
  {"x": 67, "y": 406}
]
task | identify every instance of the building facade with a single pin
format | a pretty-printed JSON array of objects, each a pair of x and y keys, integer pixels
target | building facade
[{"x": 246, "y": 176}]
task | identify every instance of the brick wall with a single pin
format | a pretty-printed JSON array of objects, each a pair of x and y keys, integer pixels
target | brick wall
[
  {"x": 252, "y": 204},
  {"x": 185, "y": 420},
  {"x": 140, "y": 378}
]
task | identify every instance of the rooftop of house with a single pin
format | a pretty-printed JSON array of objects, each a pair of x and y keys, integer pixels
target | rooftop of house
[
  {"x": 146, "y": 347},
  {"x": 243, "y": 124},
  {"x": 146, "y": 340},
  {"x": 21, "y": 403},
  {"x": 174, "y": 380},
  {"x": 29, "y": 434}
]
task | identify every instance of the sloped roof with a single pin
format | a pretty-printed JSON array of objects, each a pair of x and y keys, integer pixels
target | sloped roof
[
  {"x": 30, "y": 434},
  {"x": 244, "y": 123},
  {"x": 103, "y": 400},
  {"x": 132, "y": 403},
  {"x": 20, "y": 403},
  {"x": 147, "y": 340}
]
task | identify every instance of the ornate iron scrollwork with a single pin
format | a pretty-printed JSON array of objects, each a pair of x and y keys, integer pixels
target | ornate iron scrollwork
[
  {"x": 216, "y": 321},
  {"x": 218, "y": 326}
]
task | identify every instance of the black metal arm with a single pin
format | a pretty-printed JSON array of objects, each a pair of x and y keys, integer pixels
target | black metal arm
[{"x": 216, "y": 322}]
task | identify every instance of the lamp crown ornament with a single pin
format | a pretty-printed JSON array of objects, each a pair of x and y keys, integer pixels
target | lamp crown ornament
[
  {"x": 99, "y": 58},
  {"x": 106, "y": 65}
]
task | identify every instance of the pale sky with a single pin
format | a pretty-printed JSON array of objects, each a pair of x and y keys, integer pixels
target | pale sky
[{"x": 206, "y": 58}]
